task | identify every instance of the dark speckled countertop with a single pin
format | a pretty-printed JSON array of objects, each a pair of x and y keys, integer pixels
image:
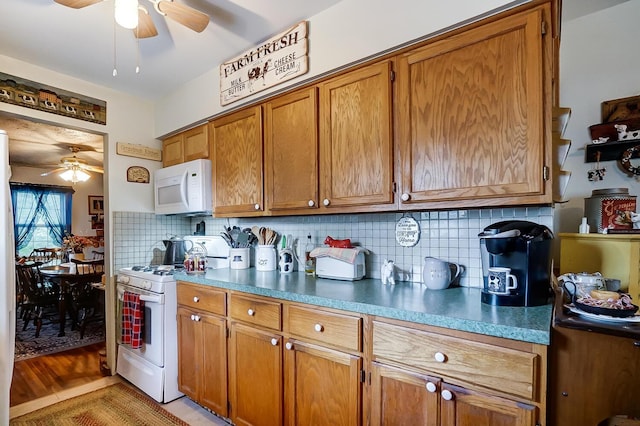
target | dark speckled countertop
[{"x": 457, "y": 308}]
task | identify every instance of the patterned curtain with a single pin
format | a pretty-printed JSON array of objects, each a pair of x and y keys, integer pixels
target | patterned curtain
[{"x": 52, "y": 203}]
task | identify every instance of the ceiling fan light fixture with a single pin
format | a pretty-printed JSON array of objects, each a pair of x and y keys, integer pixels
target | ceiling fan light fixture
[
  {"x": 74, "y": 175},
  {"x": 126, "y": 13}
]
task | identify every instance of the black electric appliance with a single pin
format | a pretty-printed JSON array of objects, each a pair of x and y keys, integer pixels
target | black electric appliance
[
  {"x": 174, "y": 253},
  {"x": 525, "y": 247}
]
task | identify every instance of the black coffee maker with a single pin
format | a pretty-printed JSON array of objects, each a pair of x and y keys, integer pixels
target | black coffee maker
[{"x": 525, "y": 248}]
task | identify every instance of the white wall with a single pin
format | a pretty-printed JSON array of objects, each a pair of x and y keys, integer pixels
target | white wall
[
  {"x": 81, "y": 224},
  {"x": 599, "y": 61},
  {"x": 347, "y": 32}
]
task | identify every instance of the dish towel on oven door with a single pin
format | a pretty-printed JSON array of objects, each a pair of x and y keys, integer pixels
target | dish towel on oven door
[{"x": 132, "y": 320}]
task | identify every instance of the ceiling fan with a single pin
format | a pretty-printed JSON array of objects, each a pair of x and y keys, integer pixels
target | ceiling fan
[
  {"x": 73, "y": 168},
  {"x": 143, "y": 27}
]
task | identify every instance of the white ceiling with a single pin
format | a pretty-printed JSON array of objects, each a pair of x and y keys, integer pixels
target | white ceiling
[{"x": 80, "y": 43}]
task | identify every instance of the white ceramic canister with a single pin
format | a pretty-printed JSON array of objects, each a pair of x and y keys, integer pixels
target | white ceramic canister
[
  {"x": 239, "y": 258},
  {"x": 266, "y": 258}
]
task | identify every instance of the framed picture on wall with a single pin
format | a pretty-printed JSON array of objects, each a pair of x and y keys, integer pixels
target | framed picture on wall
[{"x": 96, "y": 204}]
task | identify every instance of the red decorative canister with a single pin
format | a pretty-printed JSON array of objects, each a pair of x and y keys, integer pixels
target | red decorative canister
[{"x": 610, "y": 209}]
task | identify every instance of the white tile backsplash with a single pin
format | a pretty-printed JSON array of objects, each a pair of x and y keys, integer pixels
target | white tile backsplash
[{"x": 448, "y": 235}]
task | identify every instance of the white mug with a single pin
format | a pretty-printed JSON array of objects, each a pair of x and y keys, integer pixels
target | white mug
[{"x": 501, "y": 281}]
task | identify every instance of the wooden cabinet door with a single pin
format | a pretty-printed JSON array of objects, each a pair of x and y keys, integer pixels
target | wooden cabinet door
[
  {"x": 189, "y": 353},
  {"x": 237, "y": 163},
  {"x": 322, "y": 386},
  {"x": 291, "y": 152},
  {"x": 463, "y": 407},
  {"x": 356, "y": 154},
  {"x": 196, "y": 143},
  {"x": 401, "y": 397},
  {"x": 213, "y": 370},
  {"x": 470, "y": 117},
  {"x": 255, "y": 377},
  {"x": 172, "y": 152}
]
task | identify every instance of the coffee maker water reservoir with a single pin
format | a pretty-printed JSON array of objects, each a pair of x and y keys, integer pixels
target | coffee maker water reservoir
[{"x": 525, "y": 249}]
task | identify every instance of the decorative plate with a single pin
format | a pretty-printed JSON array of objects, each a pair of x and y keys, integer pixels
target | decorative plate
[
  {"x": 603, "y": 318},
  {"x": 137, "y": 174},
  {"x": 407, "y": 231}
]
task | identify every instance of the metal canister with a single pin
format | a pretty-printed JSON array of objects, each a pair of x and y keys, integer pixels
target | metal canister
[{"x": 610, "y": 209}]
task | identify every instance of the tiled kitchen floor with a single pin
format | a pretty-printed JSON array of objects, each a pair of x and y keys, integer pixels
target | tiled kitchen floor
[{"x": 183, "y": 408}]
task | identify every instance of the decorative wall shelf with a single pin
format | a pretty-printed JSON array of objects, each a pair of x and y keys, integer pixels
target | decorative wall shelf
[{"x": 608, "y": 150}]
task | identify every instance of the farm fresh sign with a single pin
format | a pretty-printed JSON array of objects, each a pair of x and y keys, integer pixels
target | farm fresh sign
[{"x": 274, "y": 61}]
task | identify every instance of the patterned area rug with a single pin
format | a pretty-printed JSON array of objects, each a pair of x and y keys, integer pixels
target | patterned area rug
[
  {"x": 118, "y": 404},
  {"x": 28, "y": 346}
]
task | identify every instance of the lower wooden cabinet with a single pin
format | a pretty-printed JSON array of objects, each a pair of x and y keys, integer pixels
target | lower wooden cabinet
[
  {"x": 322, "y": 386},
  {"x": 255, "y": 372}
]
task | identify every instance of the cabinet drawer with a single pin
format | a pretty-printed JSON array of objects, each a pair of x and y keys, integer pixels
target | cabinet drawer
[
  {"x": 325, "y": 327},
  {"x": 255, "y": 311},
  {"x": 503, "y": 369},
  {"x": 202, "y": 297}
]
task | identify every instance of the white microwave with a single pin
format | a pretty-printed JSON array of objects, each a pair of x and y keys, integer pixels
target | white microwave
[{"x": 184, "y": 189}]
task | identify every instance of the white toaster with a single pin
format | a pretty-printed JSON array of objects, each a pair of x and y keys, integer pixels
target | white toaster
[{"x": 336, "y": 269}]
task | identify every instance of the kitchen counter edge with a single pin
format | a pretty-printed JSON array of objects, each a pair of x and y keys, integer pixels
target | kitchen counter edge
[{"x": 457, "y": 308}]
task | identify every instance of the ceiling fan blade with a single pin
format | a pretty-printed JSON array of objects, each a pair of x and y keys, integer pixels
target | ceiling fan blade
[
  {"x": 77, "y": 4},
  {"x": 146, "y": 28},
  {"x": 94, "y": 169},
  {"x": 50, "y": 172},
  {"x": 185, "y": 15}
]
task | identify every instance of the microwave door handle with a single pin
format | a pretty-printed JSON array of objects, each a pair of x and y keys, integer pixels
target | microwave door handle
[{"x": 183, "y": 188}]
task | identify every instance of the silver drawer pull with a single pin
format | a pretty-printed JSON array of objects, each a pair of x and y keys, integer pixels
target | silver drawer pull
[
  {"x": 251, "y": 312},
  {"x": 289, "y": 346},
  {"x": 447, "y": 395},
  {"x": 311, "y": 203},
  {"x": 196, "y": 299},
  {"x": 431, "y": 387},
  {"x": 440, "y": 357},
  {"x": 319, "y": 328},
  {"x": 274, "y": 341},
  {"x": 195, "y": 318}
]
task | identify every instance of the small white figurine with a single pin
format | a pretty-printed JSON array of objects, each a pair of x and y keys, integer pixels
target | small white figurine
[
  {"x": 635, "y": 219},
  {"x": 623, "y": 134},
  {"x": 387, "y": 272}
]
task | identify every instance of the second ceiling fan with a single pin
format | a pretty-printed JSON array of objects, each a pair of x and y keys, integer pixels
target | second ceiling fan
[{"x": 185, "y": 15}]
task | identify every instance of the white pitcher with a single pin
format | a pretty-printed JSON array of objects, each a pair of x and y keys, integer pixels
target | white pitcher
[{"x": 436, "y": 273}]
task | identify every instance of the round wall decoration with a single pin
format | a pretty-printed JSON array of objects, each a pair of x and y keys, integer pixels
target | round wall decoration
[
  {"x": 137, "y": 174},
  {"x": 625, "y": 160},
  {"x": 407, "y": 231}
]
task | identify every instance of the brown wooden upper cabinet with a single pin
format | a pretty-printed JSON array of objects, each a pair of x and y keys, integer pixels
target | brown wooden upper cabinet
[
  {"x": 236, "y": 154},
  {"x": 356, "y": 143},
  {"x": 192, "y": 144},
  {"x": 470, "y": 119},
  {"x": 291, "y": 152}
]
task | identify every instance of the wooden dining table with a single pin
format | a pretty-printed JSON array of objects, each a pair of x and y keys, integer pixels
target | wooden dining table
[{"x": 66, "y": 277}]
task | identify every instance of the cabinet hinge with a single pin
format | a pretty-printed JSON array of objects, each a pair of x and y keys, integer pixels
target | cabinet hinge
[
  {"x": 545, "y": 173},
  {"x": 363, "y": 376},
  {"x": 544, "y": 27},
  {"x": 394, "y": 187},
  {"x": 392, "y": 75}
]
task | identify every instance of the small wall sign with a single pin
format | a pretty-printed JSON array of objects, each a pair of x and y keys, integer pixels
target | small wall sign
[
  {"x": 137, "y": 174},
  {"x": 407, "y": 231},
  {"x": 274, "y": 61},
  {"x": 138, "y": 151}
]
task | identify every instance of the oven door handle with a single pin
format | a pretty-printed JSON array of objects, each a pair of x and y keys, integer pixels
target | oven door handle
[{"x": 143, "y": 297}]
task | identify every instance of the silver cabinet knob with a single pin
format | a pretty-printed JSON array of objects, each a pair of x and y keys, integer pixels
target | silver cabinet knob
[
  {"x": 274, "y": 341},
  {"x": 405, "y": 197},
  {"x": 251, "y": 312},
  {"x": 195, "y": 318},
  {"x": 447, "y": 395},
  {"x": 196, "y": 299},
  {"x": 326, "y": 202},
  {"x": 319, "y": 328},
  {"x": 257, "y": 206},
  {"x": 289, "y": 346},
  {"x": 431, "y": 387},
  {"x": 440, "y": 357},
  {"x": 311, "y": 203}
]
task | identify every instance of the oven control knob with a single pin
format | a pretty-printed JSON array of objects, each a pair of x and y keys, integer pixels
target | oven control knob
[
  {"x": 146, "y": 285},
  {"x": 123, "y": 279}
]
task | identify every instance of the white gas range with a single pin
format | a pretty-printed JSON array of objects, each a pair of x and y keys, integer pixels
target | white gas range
[{"x": 153, "y": 366}]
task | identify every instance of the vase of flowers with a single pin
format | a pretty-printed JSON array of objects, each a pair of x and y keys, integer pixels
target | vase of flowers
[{"x": 74, "y": 244}]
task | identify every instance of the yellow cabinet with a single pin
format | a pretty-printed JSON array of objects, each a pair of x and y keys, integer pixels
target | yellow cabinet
[
  {"x": 472, "y": 117},
  {"x": 237, "y": 163},
  {"x": 614, "y": 256},
  {"x": 192, "y": 144}
]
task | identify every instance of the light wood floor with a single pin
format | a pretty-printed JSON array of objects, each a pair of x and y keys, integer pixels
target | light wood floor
[{"x": 42, "y": 381}]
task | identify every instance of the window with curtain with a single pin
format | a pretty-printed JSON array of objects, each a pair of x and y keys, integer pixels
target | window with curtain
[{"x": 41, "y": 215}]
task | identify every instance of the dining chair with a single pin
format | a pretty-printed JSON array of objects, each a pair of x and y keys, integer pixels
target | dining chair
[
  {"x": 85, "y": 296},
  {"x": 34, "y": 293},
  {"x": 46, "y": 255}
]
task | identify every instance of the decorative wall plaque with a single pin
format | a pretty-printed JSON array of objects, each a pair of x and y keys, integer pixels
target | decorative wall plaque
[
  {"x": 137, "y": 174},
  {"x": 138, "y": 151},
  {"x": 407, "y": 231}
]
